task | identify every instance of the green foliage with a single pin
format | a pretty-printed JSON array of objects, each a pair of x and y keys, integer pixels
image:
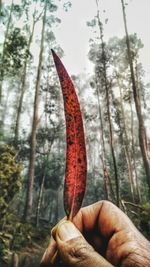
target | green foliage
[
  {"x": 143, "y": 189},
  {"x": 145, "y": 219},
  {"x": 15, "y": 52},
  {"x": 3, "y": 246},
  {"x": 17, "y": 234},
  {"x": 5, "y": 242},
  {"x": 23, "y": 233},
  {"x": 10, "y": 176},
  {"x": 53, "y": 168}
]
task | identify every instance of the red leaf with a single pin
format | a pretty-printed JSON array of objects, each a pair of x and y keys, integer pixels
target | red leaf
[{"x": 76, "y": 163}]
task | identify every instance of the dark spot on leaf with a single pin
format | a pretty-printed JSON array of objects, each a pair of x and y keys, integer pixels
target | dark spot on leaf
[{"x": 79, "y": 160}]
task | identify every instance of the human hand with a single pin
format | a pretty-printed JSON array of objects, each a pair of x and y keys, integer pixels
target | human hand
[{"x": 101, "y": 235}]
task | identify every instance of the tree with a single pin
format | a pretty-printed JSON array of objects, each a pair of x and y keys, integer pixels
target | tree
[
  {"x": 28, "y": 207},
  {"x": 10, "y": 176},
  {"x": 13, "y": 9},
  {"x": 36, "y": 18},
  {"x": 35, "y": 121},
  {"x": 3, "y": 50},
  {"x": 105, "y": 83},
  {"x": 15, "y": 54},
  {"x": 123, "y": 87},
  {"x": 142, "y": 132}
]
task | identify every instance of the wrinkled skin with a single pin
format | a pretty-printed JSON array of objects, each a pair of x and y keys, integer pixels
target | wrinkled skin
[{"x": 101, "y": 236}]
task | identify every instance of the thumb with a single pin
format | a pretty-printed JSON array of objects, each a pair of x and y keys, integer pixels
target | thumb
[{"x": 74, "y": 250}]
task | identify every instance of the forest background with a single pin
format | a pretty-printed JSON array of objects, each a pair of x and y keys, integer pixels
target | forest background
[{"x": 112, "y": 83}]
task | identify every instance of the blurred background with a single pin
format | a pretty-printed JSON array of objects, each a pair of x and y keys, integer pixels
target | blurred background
[{"x": 105, "y": 48}]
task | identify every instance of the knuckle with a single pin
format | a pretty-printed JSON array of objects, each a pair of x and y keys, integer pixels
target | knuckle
[{"x": 78, "y": 251}]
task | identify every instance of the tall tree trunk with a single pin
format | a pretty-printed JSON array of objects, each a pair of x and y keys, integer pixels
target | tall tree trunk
[
  {"x": 103, "y": 157},
  {"x": 50, "y": 212},
  {"x": 40, "y": 200},
  {"x": 127, "y": 149},
  {"x": 3, "y": 51},
  {"x": 128, "y": 155},
  {"x": 112, "y": 146},
  {"x": 23, "y": 86},
  {"x": 57, "y": 206},
  {"x": 142, "y": 133},
  {"x": 29, "y": 199},
  {"x": 42, "y": 185},
  {"x": 107, "y": 88},
  {"x": 140, "y": 93},
  {"x": 133, "y": 155}
]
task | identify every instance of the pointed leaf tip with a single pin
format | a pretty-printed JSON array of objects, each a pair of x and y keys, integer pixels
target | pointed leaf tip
[
  {"x": 55, "y": 57},
  {"x": 53, "y": 52}
]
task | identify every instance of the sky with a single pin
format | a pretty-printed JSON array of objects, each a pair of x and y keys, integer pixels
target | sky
[{"x": 73, "y": 34}]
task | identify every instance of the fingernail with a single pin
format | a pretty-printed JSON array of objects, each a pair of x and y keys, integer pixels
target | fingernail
[
  {"x": 66, "y": 231},
  {"x": 54, "y": 229}
]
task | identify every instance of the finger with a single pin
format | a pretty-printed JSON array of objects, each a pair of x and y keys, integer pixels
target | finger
[
  {"x": 74, "y": 250},
  {"x": 49, "y": 254},
  {"x": 114, "y": 228},
  {"x": 54, "y": 229},
  {"x": 102, "y": 217}
]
